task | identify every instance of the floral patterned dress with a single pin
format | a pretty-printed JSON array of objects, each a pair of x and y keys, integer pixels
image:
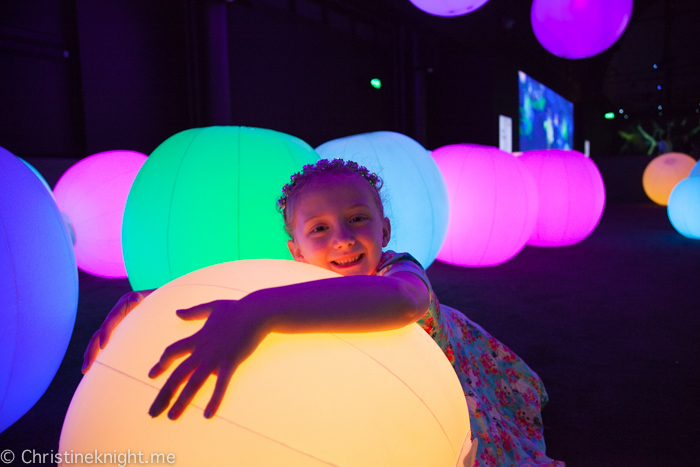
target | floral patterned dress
[{"x": 503, "y": 394}]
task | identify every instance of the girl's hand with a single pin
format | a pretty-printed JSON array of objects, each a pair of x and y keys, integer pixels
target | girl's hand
[
  {"x": 101, "y": 337},
  {"x": 230, "y": 334}
]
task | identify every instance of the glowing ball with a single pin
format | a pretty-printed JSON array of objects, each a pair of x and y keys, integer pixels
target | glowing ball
[
  {"x": 579, "y": 29},
  {"x": 695, "y": 172},
  {"x": 206, "y": 196},
  {"x": 386, "y": 398},
  {"x": 38, "y": 288},
  {"x": 415, "y": 192},
  {"x": 684, "y": 207},
  {"x": 571, "y": 195},
  {"x": 493, "y": 204},
  {"x": 663, "y": 173},
  {"x": 92, "y": 194},
  {"x": 448, "y": 7},
  {"x": 36, "y": 172}
]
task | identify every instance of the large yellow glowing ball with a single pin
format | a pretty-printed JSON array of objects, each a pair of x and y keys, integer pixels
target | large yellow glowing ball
[
  {"x": 386, "y": 398},
  {"x": 663, "y": 173}
]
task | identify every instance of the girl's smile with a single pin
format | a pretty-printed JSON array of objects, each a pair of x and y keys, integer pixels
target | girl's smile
[{"x": 338, "y": 226}]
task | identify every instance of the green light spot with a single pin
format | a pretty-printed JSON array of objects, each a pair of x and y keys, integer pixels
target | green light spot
[
  {"x": 610, "y": 115},
  {"x": 376, "y": 83}
]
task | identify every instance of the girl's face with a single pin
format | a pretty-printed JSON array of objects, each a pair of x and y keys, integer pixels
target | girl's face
[{"x": 338, "y": 226}]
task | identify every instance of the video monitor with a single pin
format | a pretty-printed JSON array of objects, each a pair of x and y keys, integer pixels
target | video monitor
[{"x": 546, "y": 118}]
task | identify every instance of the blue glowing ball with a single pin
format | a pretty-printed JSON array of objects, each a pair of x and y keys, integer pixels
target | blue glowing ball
[
  {"x": 414, "y": 192},
  {"x": 684, "y": 207},
  {"x": 38, "y": 288},
  {"x": 695, "y": 171}
]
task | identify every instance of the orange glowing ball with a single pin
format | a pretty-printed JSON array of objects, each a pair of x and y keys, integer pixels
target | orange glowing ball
[
  {"x": 663, "y": 173},
  {"x": 387, "y": 398}
]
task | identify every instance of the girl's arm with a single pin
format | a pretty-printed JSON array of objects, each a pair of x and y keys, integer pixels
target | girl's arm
[
  {"x": 234, "y": 328},
  {"x": 99, "y": 340}
]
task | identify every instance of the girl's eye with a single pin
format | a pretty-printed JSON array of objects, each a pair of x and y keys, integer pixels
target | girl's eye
[
  {"x": 319, "y": 228},
  {"x": 358, "y": 218}
]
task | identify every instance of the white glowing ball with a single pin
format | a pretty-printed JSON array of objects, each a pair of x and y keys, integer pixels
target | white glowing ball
[
  {"x": 354, "y": 399},
  {"x": 571, "y": 195},
  {"x": 92, "y": 195},
  {"x": 415, "y": 193},
  {"x": 493, "y": 204},
  {"x": 448, "y": 7},
  {"x": 663, "y": 173}
]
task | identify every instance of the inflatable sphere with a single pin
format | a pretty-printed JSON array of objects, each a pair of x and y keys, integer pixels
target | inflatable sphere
[
  {"x": 695, "y": 172},
  {"x": 386, "y": 398},
  {"x": 38, "y": 288},
  {"x": 448, "y": 7},
  {"x": 36, "y": 172},
  {"x": 493, "y": 204},
  {"x": 684, "y": 207},
  {"x": 579, "y": 29},
  {"x": 91, "y": 195},
  {"x": 663, "y": 173},
  {"x": 206, "y": 196},
  {"x": 414, "y": 191},
  {"x": 571, "y": 195}
]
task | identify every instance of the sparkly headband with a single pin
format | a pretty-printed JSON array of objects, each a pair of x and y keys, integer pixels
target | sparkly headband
[{"x": 322, "y": 166}]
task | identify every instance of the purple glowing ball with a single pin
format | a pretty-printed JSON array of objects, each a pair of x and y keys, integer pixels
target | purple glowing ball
[
  {"x": 571, "y": 196},
  {"x": 91, "y": 195},
  {"x": 448, "y": 7},
  {"x": 493, "y": 204},
  {"x": 579, "y": 28}
]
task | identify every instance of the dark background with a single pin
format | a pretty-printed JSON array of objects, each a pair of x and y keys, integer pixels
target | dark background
[{"x": 610, "y": 323}]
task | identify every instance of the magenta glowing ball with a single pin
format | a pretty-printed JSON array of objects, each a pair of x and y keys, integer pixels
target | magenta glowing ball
[
  {"x": 448, "y": 7},
  {"x": 493, "y": 204},
  {"x": 571, "y": 195},
  {"x": 92, "y": 195},
  {"x": 579, "y": 28}
]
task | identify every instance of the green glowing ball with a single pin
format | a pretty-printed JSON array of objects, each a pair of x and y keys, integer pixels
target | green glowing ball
[{"x": 206, "y": 196}]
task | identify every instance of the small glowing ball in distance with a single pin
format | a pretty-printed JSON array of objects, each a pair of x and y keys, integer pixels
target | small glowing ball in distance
[
  {"x": 684, "y": 207},
  {"x": 414, "y": 190},
  {"x": 387, "y": 398},
  {"x": 92, "y": 194},
  {"x": 448, "y": 7},
  {"x": 38, "y": 288},
  {"x": 663, "y": 173},
  {"x": 571, "y": 195},
  {"x": 579, "y": 29},
  {"x": 206, "y": 196},
  {"x": 493, "y": 204}
]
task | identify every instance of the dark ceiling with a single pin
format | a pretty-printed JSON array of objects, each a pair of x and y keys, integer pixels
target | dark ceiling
[{"x": 664, "y": 33}]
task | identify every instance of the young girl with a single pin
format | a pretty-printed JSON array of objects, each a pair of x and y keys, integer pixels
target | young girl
[{"x": 334, "y": 215}]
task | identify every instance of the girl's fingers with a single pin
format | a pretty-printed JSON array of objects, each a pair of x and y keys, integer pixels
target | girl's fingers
[
  {"x": 194, "y": 384},
  {"x": 166, "y": 393},
  {"x": 91, "y": 352},
  {"x": 222, "y": 380},
  {"x": 171, "y": 353},
  {"x": 196, "y": 312}
]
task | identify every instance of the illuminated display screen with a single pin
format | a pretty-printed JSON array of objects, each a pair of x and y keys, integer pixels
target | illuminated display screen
[{"x": 546, "y": 118}]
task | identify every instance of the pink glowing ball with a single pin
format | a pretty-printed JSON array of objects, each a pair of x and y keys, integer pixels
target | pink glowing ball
[
  {"x": 448, "y": 7},
  {"x": 571, "y": 195},
  {"x": 91, "y": 195},
  {"x": 493, "y": 204},
  {"x": 579, "y": 28}
]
